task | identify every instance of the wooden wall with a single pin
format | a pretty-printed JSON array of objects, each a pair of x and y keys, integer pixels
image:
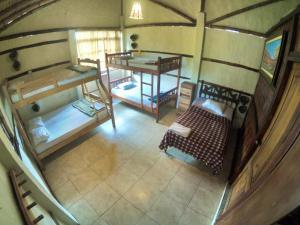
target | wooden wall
[
  {"x": 234, "y": 40},
  {"x": 268, "y": 187},
  {"x": 265, "y": 103}
]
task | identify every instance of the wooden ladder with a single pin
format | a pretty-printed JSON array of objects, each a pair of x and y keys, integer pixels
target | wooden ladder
[
  {"x": 96, "y": 95},
  {"x": 144, "y": 94}
]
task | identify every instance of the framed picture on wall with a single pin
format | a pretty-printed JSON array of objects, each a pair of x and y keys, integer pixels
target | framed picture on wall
[{"x": 272, "y": 56}]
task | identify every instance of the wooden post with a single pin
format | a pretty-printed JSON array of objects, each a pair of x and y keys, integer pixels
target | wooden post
[
  {"x": 178, "y": 79},
  {"x": 158, "y": 90},
  {"x": 152, "y": 92},
  {"x": 142, "y": 89},
  {"x": 107, "y": 70},
  {"x": 99, "y": 70}
]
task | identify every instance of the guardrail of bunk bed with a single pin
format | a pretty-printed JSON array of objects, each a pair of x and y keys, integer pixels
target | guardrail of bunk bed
[
  {"x": 116, "y": 82},
  {"x": 171, "y": 63},
  {"x": 167, "y": 96}
]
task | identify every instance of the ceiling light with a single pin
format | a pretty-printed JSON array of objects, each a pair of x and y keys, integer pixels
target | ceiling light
[{"x": 136, "y": 11}]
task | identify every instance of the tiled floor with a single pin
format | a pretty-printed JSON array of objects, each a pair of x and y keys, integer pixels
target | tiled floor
[{"x": 121, "y": 178}]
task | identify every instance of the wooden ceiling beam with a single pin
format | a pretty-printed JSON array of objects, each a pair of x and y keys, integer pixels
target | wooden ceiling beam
[
  {"x": 240, "y": 30},
  {"x": 202, "y": 9},
  {"x": 53, "y": 30},
  {"x": 243, "y": 10},
  {"x": 23, "y": 12},
  {"x": 176, "y": 11},
  {"x": 167, "y": 24},
  {"x": 230, "y": 64}
]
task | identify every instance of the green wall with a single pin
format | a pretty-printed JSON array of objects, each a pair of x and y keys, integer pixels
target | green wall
[
  {"x": 174, "y": 39},
  {"x": 238, "y": 47},
  {"x": 64, "y": 13},
  {"x": 9, "y": 212}
]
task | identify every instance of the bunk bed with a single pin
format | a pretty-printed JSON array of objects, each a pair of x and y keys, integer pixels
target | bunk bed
[
  {"x": 68, "y": 122},
  {"x": 147, "y": 94},
  {"x": 209, "y": 129}
]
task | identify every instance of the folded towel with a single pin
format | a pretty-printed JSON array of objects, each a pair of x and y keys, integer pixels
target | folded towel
[{"x": 180, "y": 130}]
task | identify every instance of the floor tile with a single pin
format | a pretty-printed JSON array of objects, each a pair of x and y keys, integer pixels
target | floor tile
[
  {"x": 121, "y": 181},
  {"x": 100, "y": 222},
  {"x": 205, "y": 202},
  {"x": 85, "y": 214},
  {"x": 122, "y": 213},
  {"x": 67, "y": 194},
  {"x": 181, "y": 190},
  {"x": 166, "y": 211},
  {"x": 85, "y": 180},
  {"x": 56, "y": 177},
  {"x": 142, "y": 195},
  {"x": 90, "y": 152},
  {"x": 102, "y": 198},
  {"x": 106, "y": 166},
  {"x": 191, "y": 217},
  {"x": 146, "y": 220}
]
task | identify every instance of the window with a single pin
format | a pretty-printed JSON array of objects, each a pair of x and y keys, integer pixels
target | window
[{"x": 94, "y": 44}]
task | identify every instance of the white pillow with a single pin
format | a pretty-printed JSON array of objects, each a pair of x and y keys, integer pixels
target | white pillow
[
  {"x": 198, "y": 102},
  {"x": 214, "y": 106},
  {"x": 39, "y": 135},
  {"x": 35, "y": 122}
]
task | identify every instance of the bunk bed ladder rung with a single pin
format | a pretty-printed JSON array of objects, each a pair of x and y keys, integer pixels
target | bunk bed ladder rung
[
  {"x": 146, "y": 83},
  {"x": 142, "y": 89},
  {"x": 146, "y": 95}
]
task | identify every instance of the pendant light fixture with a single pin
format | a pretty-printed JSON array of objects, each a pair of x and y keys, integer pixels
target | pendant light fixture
[{"x": 136, "y": 11}]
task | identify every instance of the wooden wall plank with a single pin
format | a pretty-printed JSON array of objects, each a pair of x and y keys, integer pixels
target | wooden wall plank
[
  {"x": 243, "y": 10},
  {"x": 176, "y": 11},
  {"x": 165, "y": 24},
  {"x": 240, "y": 30},
  {"x": 33, "y": 45},
  {"x": 53, "y": 30},
  {"x": 230, "y": 64}
]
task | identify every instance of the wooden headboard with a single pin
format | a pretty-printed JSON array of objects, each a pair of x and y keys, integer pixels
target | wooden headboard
[{"x": 219, "y": 93}]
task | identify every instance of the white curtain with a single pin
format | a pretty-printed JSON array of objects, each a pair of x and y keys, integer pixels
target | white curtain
[{"x": 94, "y": 44}]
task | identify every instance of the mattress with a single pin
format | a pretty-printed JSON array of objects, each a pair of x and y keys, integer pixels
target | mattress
[
  {"x": 68, "y": 75},
  {"x": 134, "y": 94},
  {"x": 141, "y": 62},
  {"x": 63, "y": 123}
]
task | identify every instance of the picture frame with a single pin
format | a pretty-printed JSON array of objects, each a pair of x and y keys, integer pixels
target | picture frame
[{"x": 272, "y": 57}]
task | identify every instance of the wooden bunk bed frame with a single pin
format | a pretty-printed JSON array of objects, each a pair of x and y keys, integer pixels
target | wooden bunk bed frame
[
  {"x": 15, "y": 106},
  {"x": 164, "y": 65}
]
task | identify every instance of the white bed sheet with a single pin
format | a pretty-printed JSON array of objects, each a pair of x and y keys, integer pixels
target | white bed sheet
[
  {"x": 141, "y": 62},
  {"x": 134, "y": 94},
  {"x": 63, "y": 123},
  {"x": 78, "y": 76}
]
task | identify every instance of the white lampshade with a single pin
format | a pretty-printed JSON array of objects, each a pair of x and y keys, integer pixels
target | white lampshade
[{"x": 136, "y": 11}]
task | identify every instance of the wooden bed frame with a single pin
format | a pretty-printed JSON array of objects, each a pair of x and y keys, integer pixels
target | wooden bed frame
[
  {"x": 164, "y": 65},
  {"x": 220, "y": 93},
  {"x": 22, "y": 102}
]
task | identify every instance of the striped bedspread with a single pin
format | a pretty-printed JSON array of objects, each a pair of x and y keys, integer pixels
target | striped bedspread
[{"x": 208, "y": 139}]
